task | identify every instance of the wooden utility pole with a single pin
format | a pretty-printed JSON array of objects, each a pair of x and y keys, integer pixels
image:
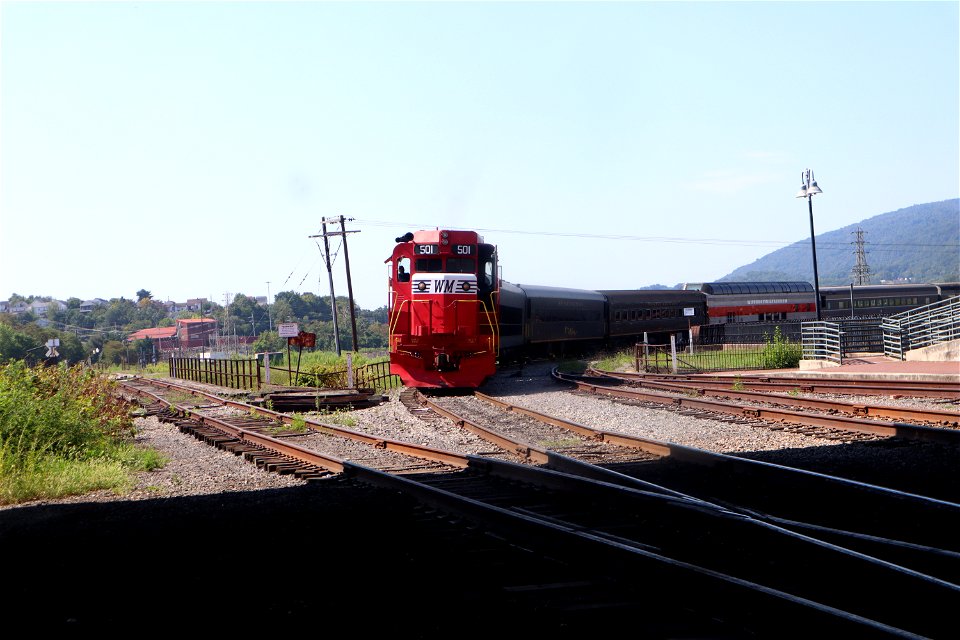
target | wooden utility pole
[
  {"x": 333, "y": 300},
  {"x": 346, "y": 258},
  {"x": 333, "y": 297}
]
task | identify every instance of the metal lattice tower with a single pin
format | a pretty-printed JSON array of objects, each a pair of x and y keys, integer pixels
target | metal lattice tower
[{"x": 861, "y": 271}]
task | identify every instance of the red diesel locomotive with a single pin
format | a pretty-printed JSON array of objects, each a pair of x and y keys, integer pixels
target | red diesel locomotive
[{"x": 443, "y": 309}]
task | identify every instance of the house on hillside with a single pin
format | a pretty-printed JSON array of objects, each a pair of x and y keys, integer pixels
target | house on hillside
[
  {"x": 14, "y": 307},
  {"x": 41, "y": 308},
  {"x": 192, "y": 305},
  {"x": 89, "y": 305}
]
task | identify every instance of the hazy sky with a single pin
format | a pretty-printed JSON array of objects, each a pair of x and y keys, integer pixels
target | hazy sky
[{"x": 192, "y": 148}]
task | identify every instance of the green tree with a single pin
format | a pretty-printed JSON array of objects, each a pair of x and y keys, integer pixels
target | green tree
[
  {"x": 269, "y": 341},
  {"x": 282, "y": 312},
  {"x": 71, "y": 350},
  {"x": 148, "y": 314},
  {"x": 16, "y": 345},
  {"x": 319, "y": 308},
  {"x": 119, "y": 313},
  {"x": 243, "y": 312},
  {"x": 298, "y": 309},
  {"x": 113, "y": 352}
]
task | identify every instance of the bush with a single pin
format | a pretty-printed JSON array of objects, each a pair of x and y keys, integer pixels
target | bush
[
  {"x": 780, "y": 353},
  {"x": 62, "y": 431}
]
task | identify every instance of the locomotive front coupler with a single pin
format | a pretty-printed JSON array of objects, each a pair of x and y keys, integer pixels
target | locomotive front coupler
[{"x": 443, "y": 363}]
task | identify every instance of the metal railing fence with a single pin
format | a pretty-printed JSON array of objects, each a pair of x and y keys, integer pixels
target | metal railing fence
[
  {"x": 763, "y": 353},
  {"x": 921, "y": 327},
  {"x": 822, "y": 341}
]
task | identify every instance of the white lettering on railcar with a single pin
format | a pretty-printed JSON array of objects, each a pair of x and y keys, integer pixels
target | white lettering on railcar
[{"x": 445, "y": 283}]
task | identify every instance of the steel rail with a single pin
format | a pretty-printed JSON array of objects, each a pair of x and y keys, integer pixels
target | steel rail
[
  {"x": 726, "y": 541},
  {"x": 772, "y": 414},
  {"x": 415, "y": 450},
  {"x": 557, "y": 461},
  {"x": 732, "y": 599},
  {"x": 686, "y": 453},
  {"x": 528, "y": 452},
  {"x": 928, "y": 517},
  {"x": 949, "y": 418},
  {"x": 854, "y": 386}
]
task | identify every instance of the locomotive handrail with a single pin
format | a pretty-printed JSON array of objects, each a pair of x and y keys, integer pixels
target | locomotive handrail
[
  {"x": 398, "y": 311},
  {"x": 394, "y": 315},
  {"x": 494, "y": 323}
]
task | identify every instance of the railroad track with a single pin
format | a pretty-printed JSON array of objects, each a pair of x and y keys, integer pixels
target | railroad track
[
  {"x": 746, "y": 571},
  {"x": 735, "y": 389},
  {"x": 916, "y": 388},
  {"x": 766, "y": 411},
  {"x": 888, "y": 522}
]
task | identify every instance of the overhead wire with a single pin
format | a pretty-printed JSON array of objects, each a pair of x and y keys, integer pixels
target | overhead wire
[{"x": 604, "y": 236}]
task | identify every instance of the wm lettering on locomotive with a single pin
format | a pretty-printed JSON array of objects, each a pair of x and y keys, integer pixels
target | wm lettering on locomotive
[{"x": 445, "y": 284}]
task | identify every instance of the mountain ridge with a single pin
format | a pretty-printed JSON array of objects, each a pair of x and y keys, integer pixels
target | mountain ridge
[{"x": 919, "y": 243}]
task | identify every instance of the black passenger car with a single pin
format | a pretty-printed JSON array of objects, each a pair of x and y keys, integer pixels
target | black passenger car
[
  {"x": 557, "y": 314},
  {"x": 878, "y": 300},
  {"x": 634, "y": 312}
]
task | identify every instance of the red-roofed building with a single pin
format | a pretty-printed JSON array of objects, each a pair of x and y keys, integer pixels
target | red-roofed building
[
  {"x": 165, "y": 338},
  {"x": 195, "y": 332}
]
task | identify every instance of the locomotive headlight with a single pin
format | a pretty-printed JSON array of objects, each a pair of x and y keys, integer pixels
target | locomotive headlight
[
  {"x": 421, "y": 286},
  {"x": 444, "y": 241},
  {"x": 466, "y": 287}
]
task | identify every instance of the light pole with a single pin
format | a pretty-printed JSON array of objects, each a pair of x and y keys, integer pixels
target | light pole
[
  {"x": 808, "y": 189},
  {"x": 269, "y": 318}
]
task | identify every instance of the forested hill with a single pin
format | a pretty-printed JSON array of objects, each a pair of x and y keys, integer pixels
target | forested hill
[{"x": 919, "y": 244}]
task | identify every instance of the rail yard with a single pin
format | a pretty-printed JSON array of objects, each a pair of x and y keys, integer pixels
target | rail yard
[{"x": 540, "y": 504}]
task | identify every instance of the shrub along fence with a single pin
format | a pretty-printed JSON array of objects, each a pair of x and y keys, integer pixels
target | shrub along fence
[{"x": 769, "y": 350}]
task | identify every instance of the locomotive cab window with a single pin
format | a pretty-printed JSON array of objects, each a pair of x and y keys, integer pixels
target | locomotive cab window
[
  {"x": 488, "y": 273},
  {"x": 488, "y": 268},
  {"x": 403, "y": 270}
]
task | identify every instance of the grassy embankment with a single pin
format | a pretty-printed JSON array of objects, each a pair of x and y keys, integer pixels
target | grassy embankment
[{"x": 62, "y": 432}]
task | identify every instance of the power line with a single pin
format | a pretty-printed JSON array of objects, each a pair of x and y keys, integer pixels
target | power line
[{"x": 602, "y": 236}]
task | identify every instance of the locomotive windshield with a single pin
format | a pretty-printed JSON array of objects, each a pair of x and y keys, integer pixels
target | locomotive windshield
[
  {"x": 432, "y": 265},
  {"x": 453, "y": 265},
  {"x": 461, "y": 265}
]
